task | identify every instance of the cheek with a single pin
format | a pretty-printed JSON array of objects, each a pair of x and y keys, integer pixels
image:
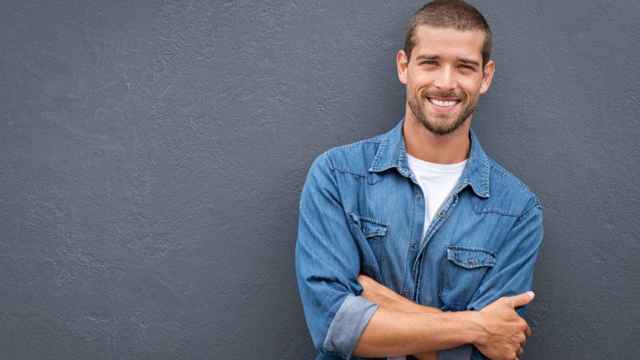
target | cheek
[
  {"x": 472, "y": 88},
  {"x": 421, "y": 88},
  {"x": 414, "y": 90},
  {"x": 420, "y": 79}
]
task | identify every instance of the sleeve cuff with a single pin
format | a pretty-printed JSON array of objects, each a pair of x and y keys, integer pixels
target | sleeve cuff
[{"x": 348, "y": 324}]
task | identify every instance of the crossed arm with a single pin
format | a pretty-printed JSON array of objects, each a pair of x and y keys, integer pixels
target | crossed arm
[{"x": 401, "y": 326}]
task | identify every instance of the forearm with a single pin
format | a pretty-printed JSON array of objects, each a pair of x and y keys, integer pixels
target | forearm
[
  {"x": 396, "y": 302},
  {"x": 398, "y": 333},
  {"x": 387, "y": 298}
]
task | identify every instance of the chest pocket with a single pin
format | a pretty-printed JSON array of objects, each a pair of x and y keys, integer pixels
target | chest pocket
[
  {"x": 370, "y": 228},
  {"x": 463, "y": 271},
  {"x": 373, "y": 234}
]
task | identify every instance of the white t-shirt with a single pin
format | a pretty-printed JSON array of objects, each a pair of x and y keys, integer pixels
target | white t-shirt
[{"x": 436, "y": 182}]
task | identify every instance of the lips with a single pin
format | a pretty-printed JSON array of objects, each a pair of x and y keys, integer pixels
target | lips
[{"x": 444, "y": 104}]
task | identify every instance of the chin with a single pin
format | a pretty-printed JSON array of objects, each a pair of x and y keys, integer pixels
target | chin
[{"x": 442, "y": 127}]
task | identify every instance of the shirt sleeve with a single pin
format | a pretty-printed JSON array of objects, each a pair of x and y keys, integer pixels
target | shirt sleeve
[
  {"x": 327, "y": 265},
  {"x": 515, "y": 261}
]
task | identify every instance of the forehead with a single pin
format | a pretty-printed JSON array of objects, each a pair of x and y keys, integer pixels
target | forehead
[{"x": 448, "y": 42}]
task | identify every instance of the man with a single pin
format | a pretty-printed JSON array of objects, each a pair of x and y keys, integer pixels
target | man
[{"x": 415, "y": 241}]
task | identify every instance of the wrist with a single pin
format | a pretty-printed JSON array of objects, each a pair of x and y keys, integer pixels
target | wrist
[{"x": 477, "y": 330}]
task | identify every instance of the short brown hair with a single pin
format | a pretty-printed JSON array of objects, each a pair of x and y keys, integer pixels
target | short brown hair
[{"x": 455, "y": 14}]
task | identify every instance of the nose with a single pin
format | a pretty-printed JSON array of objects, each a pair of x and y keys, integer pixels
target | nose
[{"x": 445, "y": 79}]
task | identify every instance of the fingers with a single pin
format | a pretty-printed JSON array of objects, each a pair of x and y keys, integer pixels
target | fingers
[
  {"x": 364, "y": 279},
  {"x": 521, "y": 299},
  {"x": 521, "y": 348}
]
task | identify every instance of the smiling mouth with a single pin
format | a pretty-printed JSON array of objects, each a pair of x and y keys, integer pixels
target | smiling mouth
[{"x": 444, "y": 104}]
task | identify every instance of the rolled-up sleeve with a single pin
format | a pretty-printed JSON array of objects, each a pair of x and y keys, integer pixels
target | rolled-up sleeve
[
  {"x": 327, "y": 266},
  {"x": 514, "y": 269}
]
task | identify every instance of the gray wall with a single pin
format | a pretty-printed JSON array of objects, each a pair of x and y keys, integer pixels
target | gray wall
[{"x": 151, "y": 156}]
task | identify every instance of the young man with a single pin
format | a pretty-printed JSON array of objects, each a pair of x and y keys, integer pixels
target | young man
[{"x": 415, "y": 241}]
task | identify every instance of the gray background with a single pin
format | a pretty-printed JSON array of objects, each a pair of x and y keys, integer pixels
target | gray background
[{"x": 152, "y": 154}]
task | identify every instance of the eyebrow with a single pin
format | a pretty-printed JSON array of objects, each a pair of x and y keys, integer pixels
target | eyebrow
[
  {"x": 427, "y": 57},
  {"x": 436, "y": 57},
  {"x": 469, "y": 62}
]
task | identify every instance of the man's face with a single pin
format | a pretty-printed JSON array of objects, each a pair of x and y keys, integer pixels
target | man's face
[{"x": 444, "y": 77}]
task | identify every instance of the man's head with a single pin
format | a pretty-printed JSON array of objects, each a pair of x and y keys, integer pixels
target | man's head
[
  {"x": 452, "y": 14},
  {"x": 445, "y": 64}
]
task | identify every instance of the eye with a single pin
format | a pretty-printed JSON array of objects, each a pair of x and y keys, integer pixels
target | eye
[
  {"x": 467, "y": 67},
  {"x": 429, "y": 62}
]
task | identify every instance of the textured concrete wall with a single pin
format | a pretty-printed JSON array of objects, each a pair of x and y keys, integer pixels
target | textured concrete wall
[{"x": 151, "y": 155}]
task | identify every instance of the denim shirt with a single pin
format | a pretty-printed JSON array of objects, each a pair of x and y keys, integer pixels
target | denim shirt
[{"x": 362, "y": 211}]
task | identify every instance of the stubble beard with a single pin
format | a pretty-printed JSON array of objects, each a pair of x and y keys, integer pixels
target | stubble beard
[{"x": 419, "y": 112}]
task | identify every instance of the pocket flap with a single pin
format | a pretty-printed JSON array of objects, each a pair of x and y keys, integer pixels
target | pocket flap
[
  {"x": 370, "y": 228},
  {"x": 470, "y": 258}
]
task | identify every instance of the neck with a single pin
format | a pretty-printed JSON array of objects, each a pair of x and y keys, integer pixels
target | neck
[{"x": 441, "y": 149}]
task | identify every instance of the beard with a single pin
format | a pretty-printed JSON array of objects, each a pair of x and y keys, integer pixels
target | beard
[{"x": 418, "y": 108}]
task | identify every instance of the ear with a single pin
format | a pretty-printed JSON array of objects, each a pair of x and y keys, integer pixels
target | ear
[
  {"x": 487, "y": 76},
  {"x": 402, "y": 64}
]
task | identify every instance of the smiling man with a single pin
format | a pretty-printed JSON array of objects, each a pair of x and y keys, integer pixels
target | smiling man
[{"x": 415, "y": 243}]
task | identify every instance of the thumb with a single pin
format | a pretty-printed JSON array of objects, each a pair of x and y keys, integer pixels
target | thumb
[{"x": 521, "y": 299}]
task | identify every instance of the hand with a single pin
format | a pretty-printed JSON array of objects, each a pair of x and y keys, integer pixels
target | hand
[{"x": 505, "y": 331}]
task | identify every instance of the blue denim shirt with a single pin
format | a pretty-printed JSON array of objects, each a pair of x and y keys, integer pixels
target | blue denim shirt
[{"x": 362, "y": 211}]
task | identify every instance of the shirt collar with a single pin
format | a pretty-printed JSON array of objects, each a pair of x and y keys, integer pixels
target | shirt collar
[{"x": 392, "y": 153}]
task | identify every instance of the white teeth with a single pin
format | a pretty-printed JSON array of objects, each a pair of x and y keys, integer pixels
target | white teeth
[{"x": 443, "y": 103}]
